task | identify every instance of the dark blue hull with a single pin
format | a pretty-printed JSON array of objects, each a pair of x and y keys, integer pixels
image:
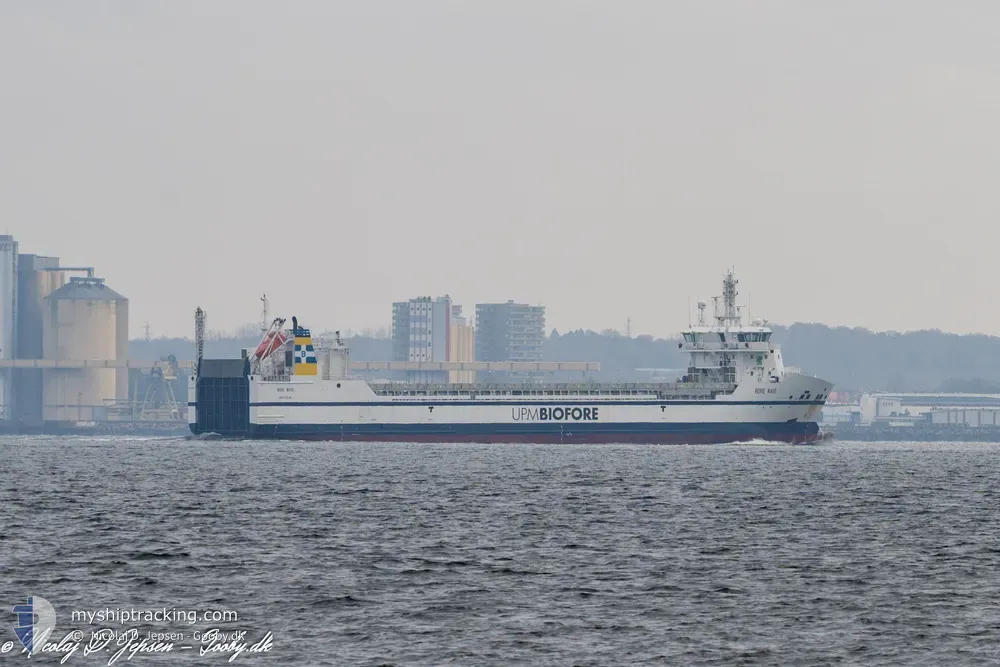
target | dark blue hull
[{"x": 536, "y": 433}]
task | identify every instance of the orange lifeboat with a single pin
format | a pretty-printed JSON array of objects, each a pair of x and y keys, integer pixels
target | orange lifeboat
[{"x": 272, "y": 341}]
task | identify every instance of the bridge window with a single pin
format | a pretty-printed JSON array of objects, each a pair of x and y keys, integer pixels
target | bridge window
[{"x": 754, "y": 337}]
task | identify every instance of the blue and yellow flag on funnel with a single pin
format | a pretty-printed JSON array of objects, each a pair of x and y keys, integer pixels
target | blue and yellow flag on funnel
[{"x": 305, "y": 355}]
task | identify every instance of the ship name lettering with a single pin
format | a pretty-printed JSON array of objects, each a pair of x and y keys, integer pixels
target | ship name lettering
[
  {"x": 570, "y": 413},
  {"x": 766, "y": 391}
]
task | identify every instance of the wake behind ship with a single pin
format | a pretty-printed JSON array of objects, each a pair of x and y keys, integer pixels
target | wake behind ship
[{"x": 736, "y": 389}]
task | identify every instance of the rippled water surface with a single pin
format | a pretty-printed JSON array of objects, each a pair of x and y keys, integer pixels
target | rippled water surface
[{"x": 379, "y": 554}]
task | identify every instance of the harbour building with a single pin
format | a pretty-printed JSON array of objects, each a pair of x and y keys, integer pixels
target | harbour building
[
  {"x": 63, "y": 342},
  {"x": 426, "y": 329},
  {"x": 509, "y": 332},
  {"x": 462, "y": 345},
  {"x": 8, "y": 320}
]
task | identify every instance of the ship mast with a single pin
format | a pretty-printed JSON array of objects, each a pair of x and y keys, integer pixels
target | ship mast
[
  {"x": 199, "y": 338},
  {"x": 265, "y": 323},
  {"x": 729, "y": 314}
]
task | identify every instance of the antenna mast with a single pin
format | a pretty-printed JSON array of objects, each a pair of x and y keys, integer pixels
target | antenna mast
[
  {"x": 199, "y": 338},
  {"x": 730, "y": 312},
  {"x": 265, "y": 323}
]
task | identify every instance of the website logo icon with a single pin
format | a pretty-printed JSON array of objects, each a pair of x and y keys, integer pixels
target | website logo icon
[{"x": 36, "y": 619}]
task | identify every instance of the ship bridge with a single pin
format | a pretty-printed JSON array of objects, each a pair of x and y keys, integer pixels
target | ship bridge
[{"x": 727, "y": 350}]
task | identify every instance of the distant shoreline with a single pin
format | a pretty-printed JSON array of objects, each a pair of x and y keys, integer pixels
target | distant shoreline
[
  {"x": 153, "y": 429},
  {"x": 915, "y": 434}
]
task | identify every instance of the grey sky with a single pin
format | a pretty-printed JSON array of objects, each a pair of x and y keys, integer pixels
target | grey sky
[{"x": 607, "y": 159}]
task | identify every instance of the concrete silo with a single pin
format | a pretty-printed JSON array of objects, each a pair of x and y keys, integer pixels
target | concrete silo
[
  {"x": 84, "y": 320},
  {"x": 37, "y": 277},
  {"x": 8, "y": 317}
]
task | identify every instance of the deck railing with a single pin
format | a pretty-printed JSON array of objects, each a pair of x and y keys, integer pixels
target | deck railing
[{"x": 637, "y": 389}]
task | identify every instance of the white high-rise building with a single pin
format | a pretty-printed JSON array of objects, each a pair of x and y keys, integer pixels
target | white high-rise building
[
  {"x": 432, "y": 329},
  {"x": 421, "y": 329}
]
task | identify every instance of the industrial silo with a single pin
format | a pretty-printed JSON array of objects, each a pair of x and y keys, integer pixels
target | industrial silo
[
  {"x": 8, "y": 320},
  {"x": 37, "y": 277},
  {"x": 84, "y": 320}
]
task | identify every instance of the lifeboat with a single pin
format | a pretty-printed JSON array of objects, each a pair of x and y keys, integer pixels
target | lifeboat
[{"x": 272, "y": 341}]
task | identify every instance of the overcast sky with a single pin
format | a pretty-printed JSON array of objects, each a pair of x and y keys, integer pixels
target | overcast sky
[{"x": 606, "y": 159}]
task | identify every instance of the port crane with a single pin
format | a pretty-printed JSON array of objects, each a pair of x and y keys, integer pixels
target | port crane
[{"x": 159, "y": 402}]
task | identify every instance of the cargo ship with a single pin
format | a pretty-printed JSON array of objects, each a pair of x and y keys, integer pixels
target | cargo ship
[{"x": 736, "y": 389}]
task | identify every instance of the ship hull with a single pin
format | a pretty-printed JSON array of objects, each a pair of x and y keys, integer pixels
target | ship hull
[{"x": 652, "y": 433}]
